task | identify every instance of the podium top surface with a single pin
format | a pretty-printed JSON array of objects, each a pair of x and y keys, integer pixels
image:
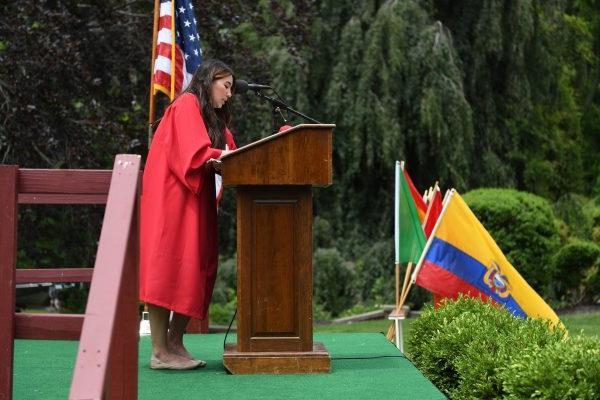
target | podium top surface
[
  {"x": 301, "y": 155},
  {"x": 276, "y": 136}
]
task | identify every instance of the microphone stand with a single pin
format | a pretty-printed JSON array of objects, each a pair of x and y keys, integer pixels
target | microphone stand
[{"x": 278, "y": 106}]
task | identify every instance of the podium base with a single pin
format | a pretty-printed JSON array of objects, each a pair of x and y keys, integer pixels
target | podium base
[{"x": 316, "y": 361}]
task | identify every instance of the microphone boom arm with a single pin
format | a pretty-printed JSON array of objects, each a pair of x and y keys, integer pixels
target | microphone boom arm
[{"x": 278, "y": 104}]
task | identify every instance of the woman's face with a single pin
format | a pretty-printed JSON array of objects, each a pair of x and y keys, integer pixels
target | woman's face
[{"x": 221, "y": 91}]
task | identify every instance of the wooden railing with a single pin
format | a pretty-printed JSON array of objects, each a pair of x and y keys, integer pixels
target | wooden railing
[{"x": 107, "y": 360}]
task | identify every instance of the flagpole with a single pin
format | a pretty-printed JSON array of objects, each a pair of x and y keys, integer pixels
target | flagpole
[
  {"x": 446, "y": 196},
  {"x": 405, "y": 285},
  {"x": 397, "y": 228},
  {"x": 173, "y": 44},
  {"x": 432, "y": 194},
  {"x": 428, "y": 208},
  {"x": 430, "y": 240},
  {"x": 398, "y": 170},
  {"x": 435, "y": 189},
  {"x": 152, "y": 104}
]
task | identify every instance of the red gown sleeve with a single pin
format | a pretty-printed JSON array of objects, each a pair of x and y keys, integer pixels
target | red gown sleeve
[
  {"x": 229, "y": 139},
  {"x": 186, "y": 142}
]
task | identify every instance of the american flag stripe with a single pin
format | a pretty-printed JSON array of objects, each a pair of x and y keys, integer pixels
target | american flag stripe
[
  {"x": 179, "y": 71},
  {"x": 162, "y": 64},
  {"x": 174, "y": 66},
  {"x": 164, "y": 37},
  {"x": 164, "y": 51},
  {"x": 165, "y": 8}
]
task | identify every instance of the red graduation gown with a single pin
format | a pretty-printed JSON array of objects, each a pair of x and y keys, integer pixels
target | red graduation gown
[{"x": 178, "y": 232}]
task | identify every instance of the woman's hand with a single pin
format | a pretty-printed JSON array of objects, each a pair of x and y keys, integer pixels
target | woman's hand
[
  {"x": 216, "y": 163},
  {"x": 225, "y": 152}
]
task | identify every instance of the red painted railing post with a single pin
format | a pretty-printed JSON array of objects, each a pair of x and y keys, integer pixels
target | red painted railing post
[
  {"x": 123, "y": 365},
  {"x": 8, "y": 261},
  {"x": 109, "y": 336}
]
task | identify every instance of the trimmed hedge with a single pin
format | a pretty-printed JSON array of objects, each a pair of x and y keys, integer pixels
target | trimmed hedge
[
  {"x": 473, "y": 349},
  {"x": 570, "y": 208},
  {"x": 576, "y": 273},
  {"x": 568, "y": 369},
  {"x": 524, "y": 227}
]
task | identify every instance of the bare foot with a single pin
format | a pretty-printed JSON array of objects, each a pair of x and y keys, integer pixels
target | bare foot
[
  {"x": 172, "y": 361},
  {"x": 176, "y": 347}
]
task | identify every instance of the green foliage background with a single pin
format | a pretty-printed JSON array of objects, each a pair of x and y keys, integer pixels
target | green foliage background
[{"x": 473, "y": 93}]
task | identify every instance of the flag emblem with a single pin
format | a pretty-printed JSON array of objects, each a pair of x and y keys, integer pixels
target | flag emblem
[{"x": 496, "y": 281}]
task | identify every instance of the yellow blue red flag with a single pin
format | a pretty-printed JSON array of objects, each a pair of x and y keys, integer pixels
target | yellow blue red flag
[{"x": 462, "y": 257}]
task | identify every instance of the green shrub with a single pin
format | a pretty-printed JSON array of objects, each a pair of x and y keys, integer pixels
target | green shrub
[
  {"x": 418, "y": 297},
  {"x": 322, "y": 233},
  {"x": 570, "y": 209},
  {"x": 73, "y": 299},
  {"x": 523, "y": 225},
  {"x": 221, "y": 313},
  {"x": 319, "y": 313},
  {"x": 494, "y": 346},
  {"x": 592, "y": 210},
  {"x": 596, "y": 234},
  {"x": 226, "y": 280},
  {"x": 576, "y": 272},
  {"x": 461, "y": 346},
  {"x": 334, "y": 281},
  {"x": 360, "y": 308},
  {"x": 591, "y": 284},
  {"x": 568, "y": 369},
  {"x": 375, "y": 267}
]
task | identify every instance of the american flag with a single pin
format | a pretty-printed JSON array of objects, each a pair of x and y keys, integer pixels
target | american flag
[{"x": 178, "y": 13}]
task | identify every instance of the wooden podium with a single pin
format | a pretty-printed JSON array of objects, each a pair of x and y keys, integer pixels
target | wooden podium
[{"x": 274, "y": 178}]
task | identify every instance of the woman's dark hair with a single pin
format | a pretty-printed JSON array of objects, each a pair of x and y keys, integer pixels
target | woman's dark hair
[{"x": 216, "y": 119}]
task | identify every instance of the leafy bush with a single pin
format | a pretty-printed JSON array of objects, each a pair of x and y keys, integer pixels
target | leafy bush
[
  {"x": 418, "y": 297},
  {"x": 576, "y": 272},
  {"x": 462, "y": 346},
  {"x": 592, "y": 210},
  {"x": 224, "y": 299},
  {"x": 596, "y": 234},
  {"x": 322, "y": 233},
  {"x": 568, "y": 369},
  {"x": 375, "y": 267},
  {"x": 360, "y": 308},
  {"x": 73, "y": 299},
  {"x": 319, "y": 313},
  {"x": 50, "y": 235},
  {"x": 221, "y": 313},
  {"x": 226, "y": 280},
  {"x": 334, "y": 281},
  {"x": 523, "y": 225},
  {"x": 570, "y": 209},
  {"x": 591, "y": 284}
]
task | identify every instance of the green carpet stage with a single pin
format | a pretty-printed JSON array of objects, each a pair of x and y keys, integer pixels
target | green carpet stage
[{"x": 364, "y": 366}]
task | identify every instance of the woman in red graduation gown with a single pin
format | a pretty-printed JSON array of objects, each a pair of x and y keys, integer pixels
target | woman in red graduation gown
[{"x": 179, "y": 243}]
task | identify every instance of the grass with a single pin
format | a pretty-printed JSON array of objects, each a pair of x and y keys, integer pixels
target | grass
[
  {"x": 377, "y": 325},
  {"x": 586, "y": 323}
]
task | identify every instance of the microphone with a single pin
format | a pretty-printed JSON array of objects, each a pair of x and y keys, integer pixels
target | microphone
[{"x": 242, "y": 86}]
